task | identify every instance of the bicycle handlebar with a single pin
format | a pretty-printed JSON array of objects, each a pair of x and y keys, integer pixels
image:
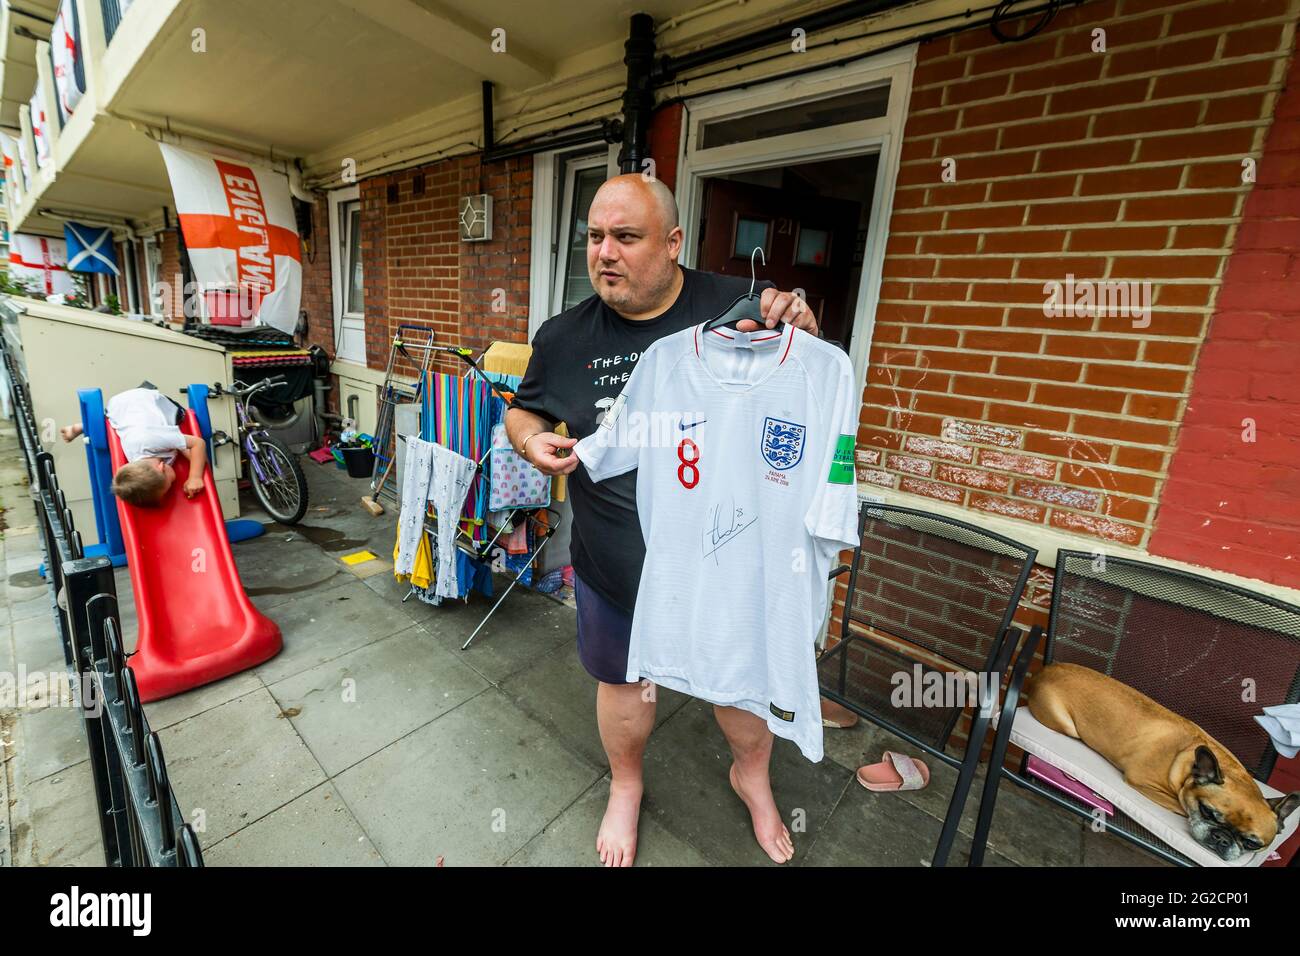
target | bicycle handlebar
[{"x": 240, "y": 390}]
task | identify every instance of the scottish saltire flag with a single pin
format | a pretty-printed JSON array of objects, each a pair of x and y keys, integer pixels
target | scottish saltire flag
[
  {"x": 65, "y": 53},
  {"x": 40, "y": 263},
  {"x": 241, "y": 238},
  {"x": 90, "y": 248}
]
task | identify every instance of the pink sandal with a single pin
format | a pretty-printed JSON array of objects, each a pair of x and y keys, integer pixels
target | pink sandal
[{"x": 894, "y": 773}]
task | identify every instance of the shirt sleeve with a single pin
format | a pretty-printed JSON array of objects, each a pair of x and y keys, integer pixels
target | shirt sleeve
[
  {"x": 833, "y": 515},
  {"x": 614, "y": 448},
  {"x": 531, "y": 395}
]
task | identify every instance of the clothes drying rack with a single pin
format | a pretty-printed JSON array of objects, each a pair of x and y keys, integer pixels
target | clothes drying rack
[{"x": 479, "y": 551}]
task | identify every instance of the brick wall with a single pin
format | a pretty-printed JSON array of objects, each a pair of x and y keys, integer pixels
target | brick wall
[
  {"x": 1243, "y": 418},
  {"x": 493, "y": 276},
  {"x": 317, "y": 289},
  {"x": 418, "y": 272},
  {"x": 1123, "y": 165},
  {"x": 169, "y": 273}
]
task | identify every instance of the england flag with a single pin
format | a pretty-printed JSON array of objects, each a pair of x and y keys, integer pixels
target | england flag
[
  {"x": 40, "y": 127},
  {"x": 65, "y": 53},
  {"x": 40, "y": 263},
  {"x": 240, "y": 234},
  {"x": 13, "y": 182}
]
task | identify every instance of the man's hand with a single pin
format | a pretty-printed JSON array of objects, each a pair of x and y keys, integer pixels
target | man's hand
[
  {"x": 193, "y": 486},
  {"x": 777, "y": 307},
  {"x": 540, "y": 452}
]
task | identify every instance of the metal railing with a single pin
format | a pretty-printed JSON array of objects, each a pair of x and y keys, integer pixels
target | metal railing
[
  {"x": 140, "y": 821},
  {"x": 112, "y": 13}
]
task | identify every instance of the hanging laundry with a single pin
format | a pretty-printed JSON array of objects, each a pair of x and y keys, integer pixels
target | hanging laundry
[
  {"x": 415, "y": 497},
  {"x": 453, "y": 476}
]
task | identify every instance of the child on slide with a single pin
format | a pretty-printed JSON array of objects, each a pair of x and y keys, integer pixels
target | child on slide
[{"x": 146, "y": 424}]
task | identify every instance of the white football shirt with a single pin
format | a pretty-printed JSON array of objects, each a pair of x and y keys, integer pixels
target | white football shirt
[
  {"x": 743, "y": 445},
  {"x": 145, "y": 422}
]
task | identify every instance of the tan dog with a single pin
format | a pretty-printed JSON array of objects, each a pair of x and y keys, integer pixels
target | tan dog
[{"x": 1162, "y": 755}]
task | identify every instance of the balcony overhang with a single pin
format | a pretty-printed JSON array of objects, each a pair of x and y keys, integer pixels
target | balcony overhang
[{"x": 20, "y": 28}]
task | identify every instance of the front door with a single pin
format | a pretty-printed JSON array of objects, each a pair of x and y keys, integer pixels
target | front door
[{"x": 808, "y": 242}]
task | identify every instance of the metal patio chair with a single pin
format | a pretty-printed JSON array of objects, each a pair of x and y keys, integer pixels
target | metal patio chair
[
  {"x": 1186, "y": 641},
  {"x": 927, "y": 595}
]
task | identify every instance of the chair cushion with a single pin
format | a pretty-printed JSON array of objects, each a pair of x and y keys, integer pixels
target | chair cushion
[{"x": 1095, "y": 771}]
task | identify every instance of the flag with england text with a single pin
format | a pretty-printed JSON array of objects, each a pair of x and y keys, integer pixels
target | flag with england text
[{"x": 240, "y": 236}]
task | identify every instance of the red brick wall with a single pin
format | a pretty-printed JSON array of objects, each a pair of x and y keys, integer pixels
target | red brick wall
[
  {"x": 1123, "y": 165},
  {"x": 418, "y": 272},
  {"x": 169, "y": 273},
  {"x": 493, "y": 276},
  {"x": 1230, "y": 501},
  {"x": 317, "y": 291}
]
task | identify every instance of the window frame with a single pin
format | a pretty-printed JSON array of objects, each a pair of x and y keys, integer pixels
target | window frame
[{"x": 349, "y": 327}]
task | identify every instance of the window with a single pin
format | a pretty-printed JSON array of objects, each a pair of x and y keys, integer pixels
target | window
[
  {"x": 354, "y": 291},
  {"x": 751, "y": 234},
  {"x": 564, "y": 184},
  {"x": 348, "y": 275},
  {"x": 582, "y": 177},
  {"x": 852, "y": 107},
  {"x": 152, "y": 263}
]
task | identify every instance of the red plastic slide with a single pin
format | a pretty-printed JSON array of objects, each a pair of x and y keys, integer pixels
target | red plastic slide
[{"x": 196, "y": 623}]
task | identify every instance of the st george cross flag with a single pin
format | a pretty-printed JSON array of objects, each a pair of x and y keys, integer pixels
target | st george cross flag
[
  {"x": 241, "y": 238},
  {"x": 40, "y": 263},
  {"x": 13, "y": 178},
  {"x": 90, "y": 248},
  {"x": 25, "y": 162},
  {"x": 65, "y": 52},
  {"x": 40, "y": 127}
]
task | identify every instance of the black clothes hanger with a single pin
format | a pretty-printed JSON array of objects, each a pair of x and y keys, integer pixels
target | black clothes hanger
[{"x": 747, "y": 306}]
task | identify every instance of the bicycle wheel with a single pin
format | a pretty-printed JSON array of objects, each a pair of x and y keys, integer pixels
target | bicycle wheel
[{"x": 277, "y": 480}]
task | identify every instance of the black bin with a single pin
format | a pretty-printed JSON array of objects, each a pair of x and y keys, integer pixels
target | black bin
[{"x": 360, "y": 460}]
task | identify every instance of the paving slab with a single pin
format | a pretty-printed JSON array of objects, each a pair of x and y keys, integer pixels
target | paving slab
[
  {"x": 357, "y": 704},
  {"x": 56, "y": 821},
  {"x": 235, "y": 764},
  {"x": 320, "y": 627},
  {"x": 473, "y": 786},
  {"x": 315, "y": 829}
]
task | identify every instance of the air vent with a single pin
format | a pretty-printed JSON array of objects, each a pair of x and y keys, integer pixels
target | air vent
[{"x": 476, "y": 218}]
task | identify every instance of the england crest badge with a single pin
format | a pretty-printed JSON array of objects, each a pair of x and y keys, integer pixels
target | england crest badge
[{"x": 782, "y": 443}]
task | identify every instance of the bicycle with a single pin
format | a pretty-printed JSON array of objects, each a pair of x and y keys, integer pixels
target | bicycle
[{"x": 273, "y": 471}]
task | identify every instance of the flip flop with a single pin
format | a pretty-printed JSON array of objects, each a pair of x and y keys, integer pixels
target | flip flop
[
  {"x": 849, "y": 718},
  {"x": 896, "y": 772}
]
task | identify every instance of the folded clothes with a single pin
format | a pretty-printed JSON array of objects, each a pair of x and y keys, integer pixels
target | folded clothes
[{"x": 1282, "y": 723}]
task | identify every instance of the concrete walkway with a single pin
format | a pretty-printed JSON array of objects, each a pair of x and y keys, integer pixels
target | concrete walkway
[{"x": 372, "y": 739}]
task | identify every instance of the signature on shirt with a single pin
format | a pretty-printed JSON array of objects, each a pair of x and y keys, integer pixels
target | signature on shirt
[{"x": 728, "y": 522}]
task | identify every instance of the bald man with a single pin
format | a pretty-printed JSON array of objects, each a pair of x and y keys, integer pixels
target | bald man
[{"x": 581, "y": 360}]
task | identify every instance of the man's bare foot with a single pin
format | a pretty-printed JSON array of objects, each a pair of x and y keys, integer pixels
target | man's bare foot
[
  {"x": 769, "y": 830},
  {"x": 69, "y": 432},
  {"x": 616, "y": 840}
]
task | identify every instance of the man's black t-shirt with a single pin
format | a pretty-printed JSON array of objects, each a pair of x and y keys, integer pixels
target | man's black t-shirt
[{"x": 581, "y": 360}]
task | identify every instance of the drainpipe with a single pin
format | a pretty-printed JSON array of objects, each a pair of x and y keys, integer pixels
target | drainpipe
[{"x": 638, "y": 97}]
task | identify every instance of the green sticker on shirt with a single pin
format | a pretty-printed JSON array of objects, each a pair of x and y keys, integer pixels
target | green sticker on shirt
[{"x": 842, "y": 463}]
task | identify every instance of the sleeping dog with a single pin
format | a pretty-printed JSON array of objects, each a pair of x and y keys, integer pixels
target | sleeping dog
[{"x": 1163, "y": 756}]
